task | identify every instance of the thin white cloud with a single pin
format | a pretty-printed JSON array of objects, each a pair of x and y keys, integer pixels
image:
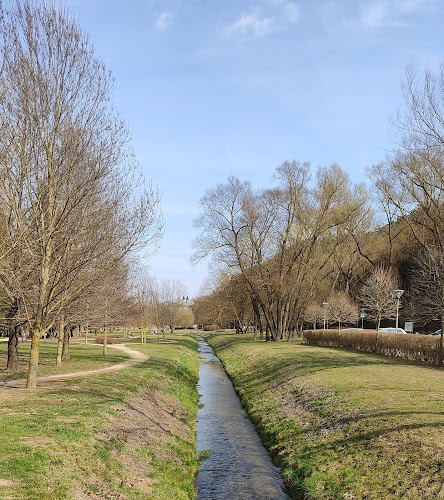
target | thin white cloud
[
  {"x": 165, "y": 20},
  {"x": 376, "y": 14},
  {"x": 382, "y": 13},
  {"x": 257, "y": 25},
  {"x": 414, "y": 5},
  {"x": 292, "y": 11},
  {"x": 250, "y": 26}
]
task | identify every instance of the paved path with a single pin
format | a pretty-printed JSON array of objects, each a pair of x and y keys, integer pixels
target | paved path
[{"x": 136, "y": 357}]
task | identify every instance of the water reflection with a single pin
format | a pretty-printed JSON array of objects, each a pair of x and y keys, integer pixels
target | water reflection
[{"x": 239, "y": 466}]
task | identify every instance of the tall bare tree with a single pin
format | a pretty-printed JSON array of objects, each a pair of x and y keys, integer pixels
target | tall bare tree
[
  {"x": 280, "y": 239},
  {"x": 171, "y": 296},
  {"x": 376, "y": 295},
  {"x": 412, "y": 178},
  {"x": 427, "y": 290},
  {"x": 314, "y": 314},
  {"x": 83, "y": 205},
  {"x": 342, "y": 309}
]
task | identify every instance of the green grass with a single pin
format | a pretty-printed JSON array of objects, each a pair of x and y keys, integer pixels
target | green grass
[
  {"x": 83, "y": 357},
  {"x": 342, "y": 424},
  {"x": 125, "y": 434}
]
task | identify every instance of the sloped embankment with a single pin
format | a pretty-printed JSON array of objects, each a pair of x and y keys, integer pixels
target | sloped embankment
[
  {"x": 342, "y": 424},
  {"x": 127, "y": 434}
]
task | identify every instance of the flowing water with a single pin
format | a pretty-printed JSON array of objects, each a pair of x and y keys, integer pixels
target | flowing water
[{"x": 239, "y": 467}]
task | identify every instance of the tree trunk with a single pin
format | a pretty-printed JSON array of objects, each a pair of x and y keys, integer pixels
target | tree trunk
[
  {"x": 60, "y": 339},
  {"x": 257, "y": 317},
  {"x": 441, "y": 342},
  {"x": 86, "y": 333},
  {"x": 25, "y": 331},
  {"x": 65, "y": 348},
  {"x": 31, "y": 381},
  {"x": 105, "y": 342},
  {"x": 378, "y": 324},
  {"x": 339, "y": 334},
  {"x": 13, "y": 364}
]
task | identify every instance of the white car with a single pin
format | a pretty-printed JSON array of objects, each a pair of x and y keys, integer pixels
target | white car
[
  {"x": 436, "y": 334},
  {"x": 392, "y": 330}
]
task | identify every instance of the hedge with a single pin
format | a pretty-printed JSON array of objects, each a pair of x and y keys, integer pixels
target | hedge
[
  {"x": 109, "y": 340},
  {"x": 211, "y": 328},
  {"x": 406, "y": 346}
]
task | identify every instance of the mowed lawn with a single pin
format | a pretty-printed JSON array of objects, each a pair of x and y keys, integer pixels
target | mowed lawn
[
  {"x": 342, "y": 424},
  {"x": 126, "y": 434},
  {"x": 83, "y": 357}
]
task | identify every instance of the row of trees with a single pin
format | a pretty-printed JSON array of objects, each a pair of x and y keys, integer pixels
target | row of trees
[
  {"x": 160, "y": 303},
  {"x": 283, "y": 242},
  {"x": 73, "y": 206},
  {"x": 309, "y": 240}
]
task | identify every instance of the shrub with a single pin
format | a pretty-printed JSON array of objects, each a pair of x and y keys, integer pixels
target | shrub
[
  {"x": 363, "y": 341},
  {"x": 412, "y": 347},
  {"x": 211, "y": 328},
  {"x": 109, "y": 340},
  {"x": 328, "y": 338}
]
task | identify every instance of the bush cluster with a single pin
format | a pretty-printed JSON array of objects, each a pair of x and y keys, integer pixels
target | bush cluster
[
  {"x": 109, "y": 340},
  {"x": 210, "y": 328},
  {"x": 412, "y": 347}
]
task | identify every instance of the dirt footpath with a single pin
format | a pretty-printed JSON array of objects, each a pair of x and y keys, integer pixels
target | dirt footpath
[{"x": 136, "y": 357}]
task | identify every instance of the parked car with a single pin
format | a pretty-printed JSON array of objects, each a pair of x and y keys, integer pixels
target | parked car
[
  {"x": 360, "y": 329},
  {"x": 437, "y": 333},
  {"x": 392, "y": 330}
]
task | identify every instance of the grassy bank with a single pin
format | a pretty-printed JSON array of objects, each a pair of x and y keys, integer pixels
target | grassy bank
[
  {"x": 126, "y": 434},
  {"x": 342, "y": 424}
]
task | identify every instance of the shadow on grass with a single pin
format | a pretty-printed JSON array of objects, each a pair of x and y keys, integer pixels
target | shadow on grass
[
  {"x": 283, "y": 361},
  {"x": 280, "y": 368}
]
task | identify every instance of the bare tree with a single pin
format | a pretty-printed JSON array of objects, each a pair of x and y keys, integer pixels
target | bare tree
[
  {"x": 171, "y": 293},
  {"x": 427, "y": 290},
  {"x": 206, "y": 310},
  {"x": 421, "y": 125},
  {"x": 314, "y": 314},
  {"x": 185, "y": 316},
  {"x": 412, "y": 178},
  {"x": 280, "y": 239},
  {"x": 143, "y": 286},
  {"x": 376, "y": 295},
  {"x": 84, "y": 207},
  {"x": 342, "y": 309}
]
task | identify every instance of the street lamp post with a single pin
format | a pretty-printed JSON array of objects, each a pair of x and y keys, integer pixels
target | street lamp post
[
  {"x": 362, "y": 315},
  {"x": 325, "y": 304},
  {"x": 397, "y": 294}
]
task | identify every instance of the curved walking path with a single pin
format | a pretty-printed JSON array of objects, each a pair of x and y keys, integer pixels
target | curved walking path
[{"x": 135, "y": 357}]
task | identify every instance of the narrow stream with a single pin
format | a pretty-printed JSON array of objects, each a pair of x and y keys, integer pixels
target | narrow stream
[{"x": 239, "y": 467}]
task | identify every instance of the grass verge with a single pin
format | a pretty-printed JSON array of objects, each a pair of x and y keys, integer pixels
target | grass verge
[
  {"x": 128, "y": 434},
  {"x": 342, "y": 424},
  {"x": 83, "y": 357}
]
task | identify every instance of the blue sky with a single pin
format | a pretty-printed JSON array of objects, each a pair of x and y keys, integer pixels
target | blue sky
[{"x": 211, "y": 88}]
